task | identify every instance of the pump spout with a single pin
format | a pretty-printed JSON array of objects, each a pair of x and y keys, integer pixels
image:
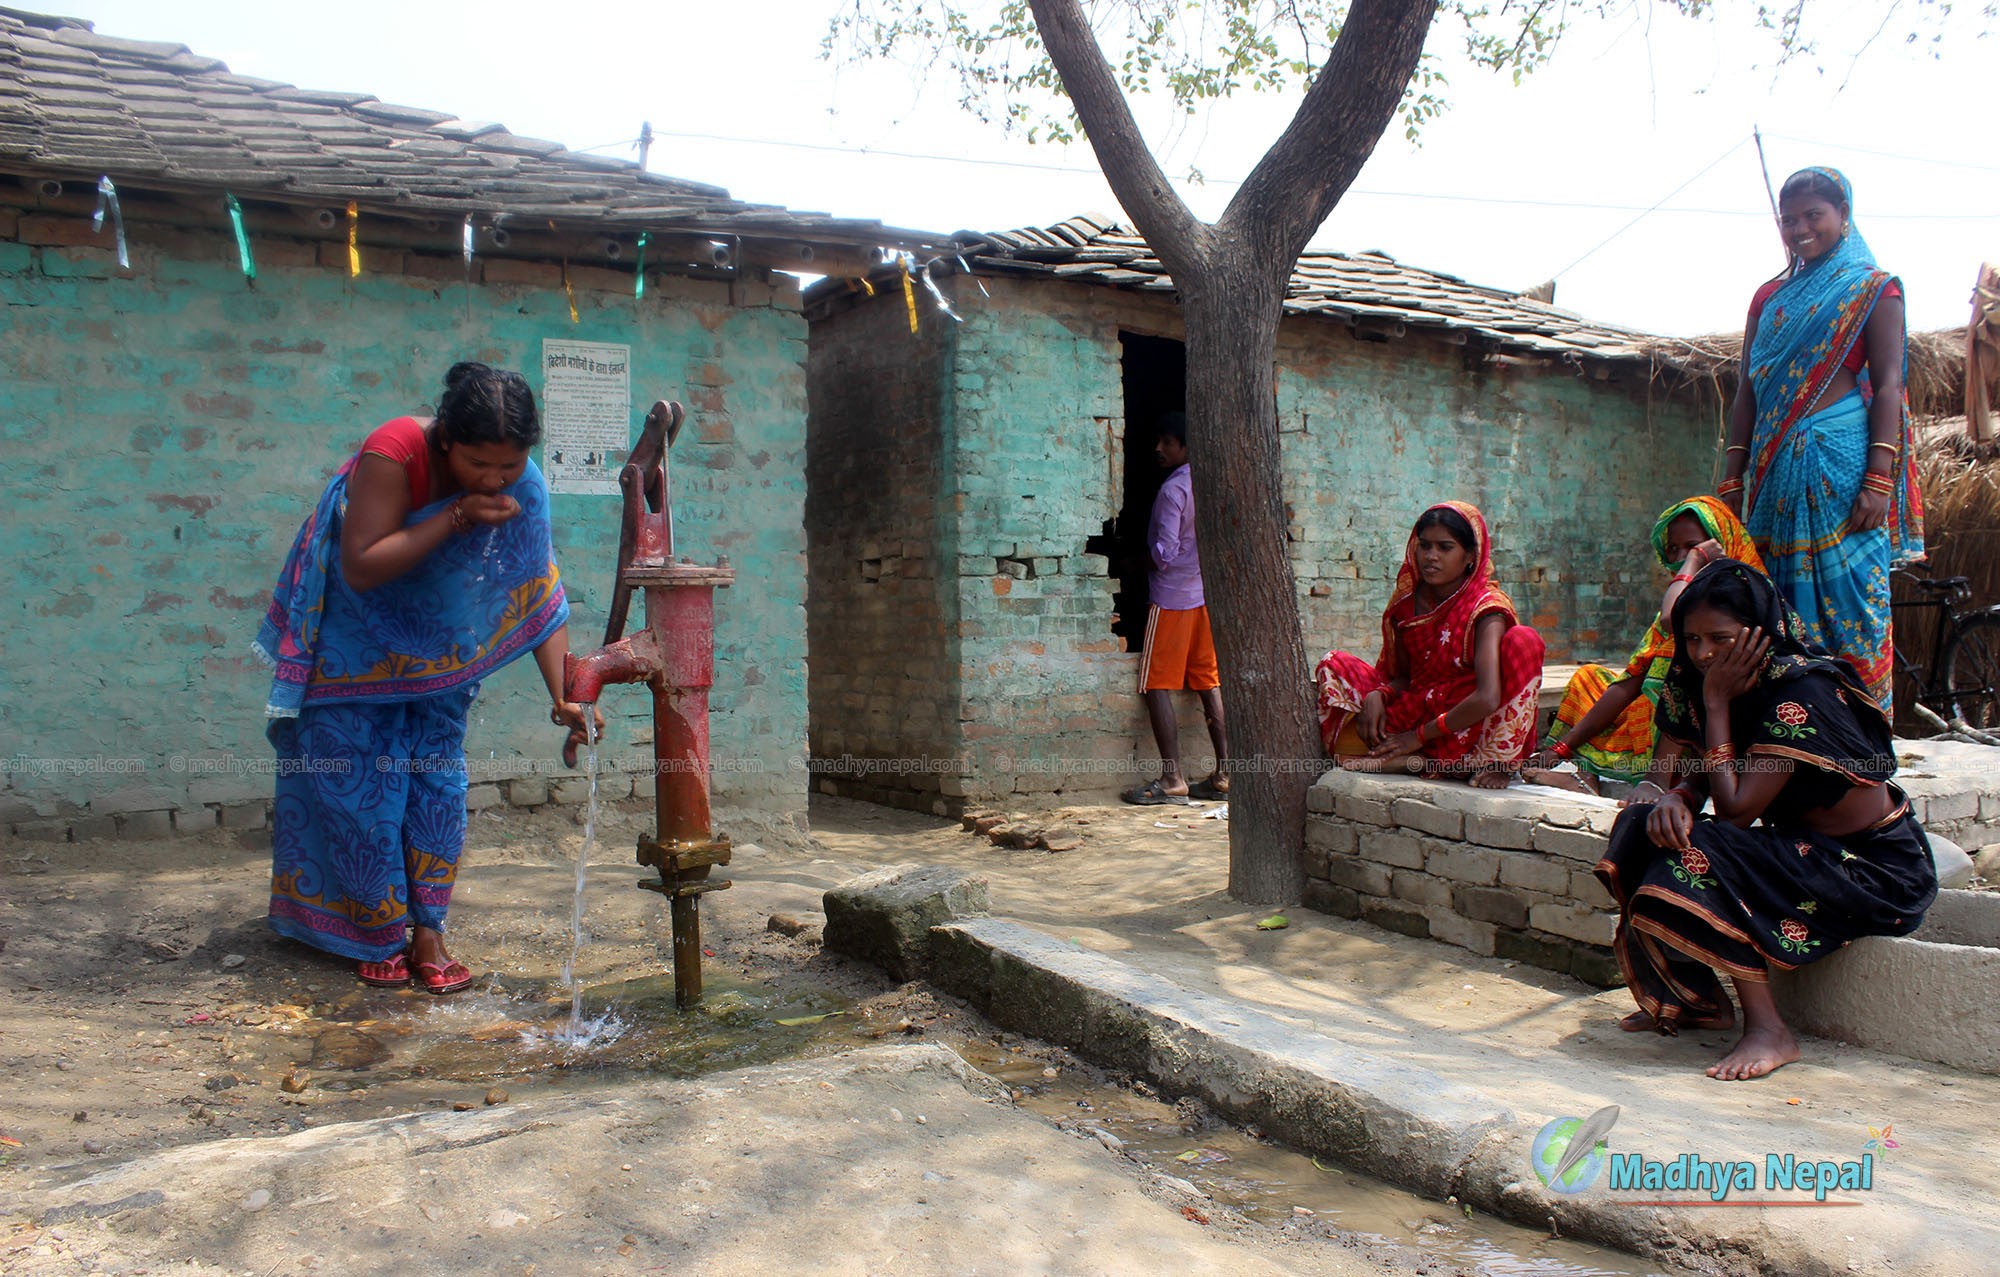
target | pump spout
[{"x": 636, "y": 659}]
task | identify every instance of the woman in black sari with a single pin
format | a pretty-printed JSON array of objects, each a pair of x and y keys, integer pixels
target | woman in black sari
[{"x": 1809, "y": 845}]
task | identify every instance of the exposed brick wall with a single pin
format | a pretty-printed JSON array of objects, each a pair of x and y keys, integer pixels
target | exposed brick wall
[
  {"x": 167, "y": 429},
  {"x": 1038, "y": 420},
  {"x": 882, "y": 544}
]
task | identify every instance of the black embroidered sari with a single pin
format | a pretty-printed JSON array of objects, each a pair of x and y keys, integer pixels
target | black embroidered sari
[{"x": 1776, "y": 894}]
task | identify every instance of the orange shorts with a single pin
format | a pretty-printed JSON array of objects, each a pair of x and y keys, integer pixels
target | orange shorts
[{"x": 1180, "y": 652}]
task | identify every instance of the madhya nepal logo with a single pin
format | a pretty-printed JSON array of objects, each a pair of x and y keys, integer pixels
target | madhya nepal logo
[
  {"x": 1571, "y": 1154},
  {"x": 1568, "y": 1155}
]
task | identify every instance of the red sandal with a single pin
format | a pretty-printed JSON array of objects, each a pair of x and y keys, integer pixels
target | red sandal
[
  {"x": 392, "y": 972},
  {"x": 444, "y": 977}
]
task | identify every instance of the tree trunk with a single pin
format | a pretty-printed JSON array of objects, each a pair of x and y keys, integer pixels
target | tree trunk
[
  {"x": 1253, "y": 606},
  {"x": 1232, "y": 278}
]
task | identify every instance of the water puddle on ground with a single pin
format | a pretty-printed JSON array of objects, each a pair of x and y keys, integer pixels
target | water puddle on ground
[{"x": 406, "y": 1048}]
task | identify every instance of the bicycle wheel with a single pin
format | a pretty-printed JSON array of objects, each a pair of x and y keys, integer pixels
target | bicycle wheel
[{"x": 1971, "y": 678}]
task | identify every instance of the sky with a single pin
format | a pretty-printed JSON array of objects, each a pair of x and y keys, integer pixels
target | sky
[{"x": 1625, "y": 170}]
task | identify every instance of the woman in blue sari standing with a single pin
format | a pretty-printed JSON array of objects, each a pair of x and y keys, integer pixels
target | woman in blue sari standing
[
  {"x": 425, "y": 567},
  {"x": 1819, "y": 451}
]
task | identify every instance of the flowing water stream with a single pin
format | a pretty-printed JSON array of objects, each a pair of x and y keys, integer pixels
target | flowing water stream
[{"x": 582, "y": 1033}]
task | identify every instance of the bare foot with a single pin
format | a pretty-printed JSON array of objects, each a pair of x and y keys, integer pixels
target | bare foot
[
  {"x": 1763, "y": 1051},
  {"x": 427, "y": 945},
  {"x": 1489, "y": 780},
  {"x": 1641, "y": 1022}
]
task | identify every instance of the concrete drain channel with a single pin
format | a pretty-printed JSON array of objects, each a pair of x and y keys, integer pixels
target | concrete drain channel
[{"x": 1236, "y": 1169}]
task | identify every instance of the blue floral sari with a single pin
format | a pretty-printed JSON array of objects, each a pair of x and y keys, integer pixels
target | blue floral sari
[
  {"x": 1806, "y": 466},
  {"x": 368, "y": 711}
]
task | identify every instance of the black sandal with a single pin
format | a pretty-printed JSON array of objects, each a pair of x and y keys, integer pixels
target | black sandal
[
  {"x": 1208, "y": 791},
  {"x": 1153, "y": 794}
]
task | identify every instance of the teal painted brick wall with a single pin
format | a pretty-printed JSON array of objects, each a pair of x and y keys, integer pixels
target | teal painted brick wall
[
  {"x": 1037, "y": 424},
  {"x": 166, "y": 431},
  {"x": 1569, "y": 469}
]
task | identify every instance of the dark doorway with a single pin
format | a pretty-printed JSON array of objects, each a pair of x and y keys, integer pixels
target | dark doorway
[{"x": 1155, "y": 384}]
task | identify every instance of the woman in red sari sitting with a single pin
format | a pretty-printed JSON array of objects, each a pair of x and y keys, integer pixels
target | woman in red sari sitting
[{"x": 1454, "y": 690}]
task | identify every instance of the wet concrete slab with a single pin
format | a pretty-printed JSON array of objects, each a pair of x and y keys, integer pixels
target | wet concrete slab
[{"x": 889, "y": 1159}]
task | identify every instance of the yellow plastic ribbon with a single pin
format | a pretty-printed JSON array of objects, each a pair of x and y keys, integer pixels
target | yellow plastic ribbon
[
  {"x": 568, "y": 292},
  {"x": 909, "y": 292},
  {"x": 353, "y": 239}
]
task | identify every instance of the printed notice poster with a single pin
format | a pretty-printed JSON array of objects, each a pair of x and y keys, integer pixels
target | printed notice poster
[{"x": 586, "y": 414}]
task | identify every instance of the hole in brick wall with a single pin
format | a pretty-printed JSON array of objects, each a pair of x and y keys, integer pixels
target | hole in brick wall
[{"x": 1154, "y": 382}]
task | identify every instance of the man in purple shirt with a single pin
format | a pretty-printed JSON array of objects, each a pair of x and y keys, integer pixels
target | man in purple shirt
[{"x": 1179, "y": 653}]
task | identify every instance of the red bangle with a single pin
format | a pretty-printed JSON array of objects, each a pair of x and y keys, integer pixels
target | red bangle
[
  {"x": 1561, "y": 749},
  {"x": 1442, "y": 730},
  {"x": 1728, "y": 486},
  {"x": 1682, "y": 578}
]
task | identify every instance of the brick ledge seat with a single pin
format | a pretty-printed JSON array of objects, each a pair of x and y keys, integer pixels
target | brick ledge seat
[{"x": 1507, "y": 874}]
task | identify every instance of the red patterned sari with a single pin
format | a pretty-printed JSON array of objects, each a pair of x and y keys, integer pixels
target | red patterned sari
[{"x": 1432, "y": 656}]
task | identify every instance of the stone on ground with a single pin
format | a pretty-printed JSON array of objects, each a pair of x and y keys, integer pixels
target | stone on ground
[{"x": 885, "y": 917}]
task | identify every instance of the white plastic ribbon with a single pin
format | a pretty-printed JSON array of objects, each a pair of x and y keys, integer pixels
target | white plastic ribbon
[
  {"x": 107, "y": 197},
  {"x": 936, "y": 293}
]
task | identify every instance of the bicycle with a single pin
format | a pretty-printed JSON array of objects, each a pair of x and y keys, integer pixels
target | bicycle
[{"x": 1964, "y": 669}]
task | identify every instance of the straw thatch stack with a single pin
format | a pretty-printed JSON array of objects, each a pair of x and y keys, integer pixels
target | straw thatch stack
[{"x": 1936, "y": 373}]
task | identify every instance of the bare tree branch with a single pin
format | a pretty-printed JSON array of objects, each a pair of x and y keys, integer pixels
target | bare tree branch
[
  {"x": 1321, "y": 152},
  {"x": 1135, "y": 177}
]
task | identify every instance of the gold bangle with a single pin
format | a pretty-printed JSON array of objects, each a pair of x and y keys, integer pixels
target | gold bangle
[{"x": 1737, "y": 447}]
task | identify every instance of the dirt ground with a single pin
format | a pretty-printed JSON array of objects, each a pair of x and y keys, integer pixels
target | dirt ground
[{"x": 148, "y": 1010}]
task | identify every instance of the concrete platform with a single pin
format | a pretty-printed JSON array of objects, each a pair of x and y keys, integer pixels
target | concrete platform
[
  {"x": 1929, "y": 995},
  {"x": 1461, "y": 1117},
  {"x": 1143, "y": 961},
  {"x": 1508, "y": 873},
  {"x": 804, "y": 1167}
]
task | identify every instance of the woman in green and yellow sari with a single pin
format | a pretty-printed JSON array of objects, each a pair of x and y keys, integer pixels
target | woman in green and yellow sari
[{"x": 1605, "y": 723}]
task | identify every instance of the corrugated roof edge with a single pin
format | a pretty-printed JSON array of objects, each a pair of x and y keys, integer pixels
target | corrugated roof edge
[
  {"x": 1459, "y": 308},
  {"x": 56, "y": 39}
]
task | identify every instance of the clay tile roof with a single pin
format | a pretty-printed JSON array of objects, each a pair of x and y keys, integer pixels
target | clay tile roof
[
  {"x": 1371, "y": 289},
  {"x": 77, "y": 105}
]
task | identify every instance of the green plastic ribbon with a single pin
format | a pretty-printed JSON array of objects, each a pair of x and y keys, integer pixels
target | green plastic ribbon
[
  {"x": 242, "y": 239},
  {"x": 639, "y": 268}
]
